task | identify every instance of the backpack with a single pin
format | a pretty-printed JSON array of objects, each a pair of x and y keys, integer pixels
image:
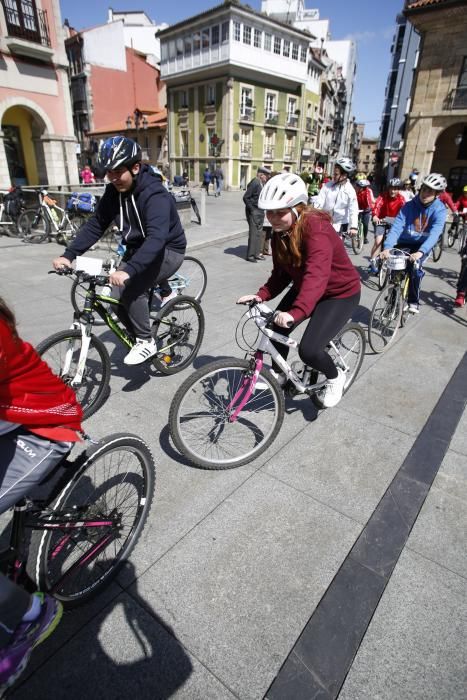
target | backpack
[
  {"x": 81, "y": 201},
  {"x": 13, "y": 202}
]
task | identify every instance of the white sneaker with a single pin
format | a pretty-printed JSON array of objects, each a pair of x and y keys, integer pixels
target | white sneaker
[
  {"x": 413, "y": 309},
  {"x": 170, "y": 296},
  {"x": 332, "y": 391},
  {"x": 141, "y": 351}
]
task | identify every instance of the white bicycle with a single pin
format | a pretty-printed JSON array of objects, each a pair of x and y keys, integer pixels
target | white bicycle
[{"x": 230, "y": 411}]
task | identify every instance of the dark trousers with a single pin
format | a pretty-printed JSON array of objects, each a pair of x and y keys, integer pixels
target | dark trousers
[
  {"x": 255, "y": 219},
  {"x": 365, "y": 217},
  {"x": 134, "y": 309},
  {"x": 326, "y": 320}
]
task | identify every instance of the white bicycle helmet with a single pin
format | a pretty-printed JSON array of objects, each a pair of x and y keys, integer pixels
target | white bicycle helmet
[
  {"x": 283, "y": 191},
  {"x": 435, "y": 181},
  {"x": 346, "y": 164},
  {"x": 363, "y": 183}
]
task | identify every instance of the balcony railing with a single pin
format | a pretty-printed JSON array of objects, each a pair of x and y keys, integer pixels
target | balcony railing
[
  {"x": 247, "y": 114},
  {"x": 271, "y": 117},
  {"x": 246, "y": 150},
  {"x": 290, "y": 154},
  {"x": 456, "y": 99},
  {"x": 25, "y": 21},
  {"x": 210, "y": 107},
  {"x": 268, "y": 153},
  {"x": 292, "y": 121}
]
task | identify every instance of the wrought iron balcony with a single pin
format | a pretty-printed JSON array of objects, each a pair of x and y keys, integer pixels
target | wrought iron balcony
[
  {"x": 271, "y": 117},
  {"x": 268, "y": 153},
  {"x": 184, "y": 152},
  {"x": 25, "y": 21},
  {"x": 292, "y": 121},
  {"x": 246, "y": 150},
  {"x": 456, "y": 99},
  {"x": 247, "y": 114},
  {"x": 290, "y": 155}
]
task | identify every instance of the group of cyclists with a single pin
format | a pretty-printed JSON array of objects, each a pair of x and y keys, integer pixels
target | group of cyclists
[{"x": 37, "y": 429}]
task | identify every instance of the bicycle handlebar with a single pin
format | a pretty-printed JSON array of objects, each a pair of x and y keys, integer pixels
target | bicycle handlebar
[
  {"x": 100, "y": 280},
  {"x": 267, "y": 315}
]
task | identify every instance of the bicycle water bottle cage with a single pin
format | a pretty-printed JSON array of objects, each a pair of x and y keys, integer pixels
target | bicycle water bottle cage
[{"x": 397, "y": 260}]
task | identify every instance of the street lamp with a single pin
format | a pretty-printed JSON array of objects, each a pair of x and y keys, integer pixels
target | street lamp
[{"x": 139, "y": 120}]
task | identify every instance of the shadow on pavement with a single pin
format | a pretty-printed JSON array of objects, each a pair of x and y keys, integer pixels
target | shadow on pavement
[
  {"x": 94, "y": 661},
  {"x": 239, "y": 251}
]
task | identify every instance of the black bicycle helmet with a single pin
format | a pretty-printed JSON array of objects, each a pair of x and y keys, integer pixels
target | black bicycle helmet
[
  {"x": 118, "y": 151},
  {"x": 395, "y": 182}
]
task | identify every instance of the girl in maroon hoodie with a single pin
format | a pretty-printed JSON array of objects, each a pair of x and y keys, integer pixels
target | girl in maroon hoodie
[
  {"x": 325, "y": 285},
  {"x": 39, "y": 421}
]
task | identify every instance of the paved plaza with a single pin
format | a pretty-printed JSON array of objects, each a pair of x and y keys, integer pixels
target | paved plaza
[{"x": 331, "y": 566}]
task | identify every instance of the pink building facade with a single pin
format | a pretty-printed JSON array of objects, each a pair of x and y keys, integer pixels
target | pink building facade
[{"x": 37, "y": 143}]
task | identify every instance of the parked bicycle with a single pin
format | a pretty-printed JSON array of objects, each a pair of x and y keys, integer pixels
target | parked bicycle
[
  {"x": 88, "y": 515},
  {"x": 190, "y": 279},
  {"x": 391, "y": 310},
  {"x": 230, "y": 411},
  {"x": 81, "y": 359},
  {"x": 184, "y": 195},
  {"x": 457, "y": 230},
  {"x": 48, "y": 221}
]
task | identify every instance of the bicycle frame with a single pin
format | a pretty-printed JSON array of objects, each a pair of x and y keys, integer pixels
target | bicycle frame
[{"x": 262, "y": 315}]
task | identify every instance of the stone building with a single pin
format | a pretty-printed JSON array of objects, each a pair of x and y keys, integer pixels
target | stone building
[
  {"x": 436, "y": 131},
  {"x": 37, "y": 143}
]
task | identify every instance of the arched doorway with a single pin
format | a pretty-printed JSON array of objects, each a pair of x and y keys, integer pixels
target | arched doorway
[
  {"x": 450, "y": 156},
  {"x": 22, "y": 129}
]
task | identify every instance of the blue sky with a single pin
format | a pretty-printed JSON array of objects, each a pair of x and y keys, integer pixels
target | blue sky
[{"x": 370, "y": 22}]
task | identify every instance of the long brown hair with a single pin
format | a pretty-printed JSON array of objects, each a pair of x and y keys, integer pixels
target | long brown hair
[
  {"x": 7, "y": 315},
  {"x": 289, "y": 248}
]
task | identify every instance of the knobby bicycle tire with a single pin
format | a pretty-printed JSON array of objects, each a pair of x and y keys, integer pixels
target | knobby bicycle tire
[
  {"x": 62, "y": 349},
  {"x": 179, "y": 327},
  {"x": 33, "y": 227},
  {"x": 357, "y": 240},
  {"x": 199, "y": 415},
  {"x": 115, "y": 478},
  {"x": 385, "y": 318},
  {"x": 350, "y": 342}
]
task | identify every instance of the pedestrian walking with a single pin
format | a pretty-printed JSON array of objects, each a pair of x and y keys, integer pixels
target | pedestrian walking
[
  {"x": 255, "y": 215},
  {"x": 219, "y": 178},
  {"x": 87, "y": 176},
  {"x": 207, "y": 180}
]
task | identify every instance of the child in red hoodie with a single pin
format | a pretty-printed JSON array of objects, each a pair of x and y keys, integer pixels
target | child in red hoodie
[
  {"x": 40, "y": 420},
  {"x": 387, "y": 206}
]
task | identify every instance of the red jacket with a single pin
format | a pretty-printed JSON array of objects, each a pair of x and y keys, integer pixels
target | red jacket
[
  {"x": 462, "y": 203},
  {"x": 446, "y": 199},
  {"x": 326, "y": 271},
  {"x": 31, "y": 395},
  {"x": 387, "y": 206},
  {"x": 365, "y": 199}
]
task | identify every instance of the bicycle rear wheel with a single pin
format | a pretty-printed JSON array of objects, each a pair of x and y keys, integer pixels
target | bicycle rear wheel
[
  {"x": 385, "y": 318},
  {"x": 115, "y": 482},
  {"x": 382, "y": 273},
  {"x": 8, "y": 225},
  {"x": 33, "y": 226},
  {"x": 199, "y": 417},
  {"x": 62, "y": 351},
  {"x": 357, "y": 240},
  {"x": 348, "y": 354},
  {"x": 179, "y": 331},
  {"x": 437, "y": 250}
]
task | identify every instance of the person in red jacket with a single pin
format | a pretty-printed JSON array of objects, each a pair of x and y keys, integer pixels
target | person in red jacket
[
  {"x": 325, "y": 285},
  {"x": 40, "y": 420},
  {"x": 366, "y": 202},
  {"x": 461, "y": 203},
  {"x": 387, "y": 205}
]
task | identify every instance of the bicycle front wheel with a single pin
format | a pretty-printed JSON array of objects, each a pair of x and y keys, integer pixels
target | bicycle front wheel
[
  {"x": 347, "y": 351},
  {"x": 382, "y": 274},
  {"x": 115, "y": 484},
  {"x": 179, "y": 328},
  {"x": 190, "y": 278},
  {"x": 385, "y": 318},
  {"x": 437, "y": 250},
  {"x": 33, "y": 226},
  {"x": 62, "y": 353},
  {"x": 202, "y": 418},
  {"x": 357, "y": 240}
]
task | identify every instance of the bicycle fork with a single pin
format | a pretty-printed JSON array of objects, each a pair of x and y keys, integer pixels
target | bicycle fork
[{"x": 83, "y": 355}]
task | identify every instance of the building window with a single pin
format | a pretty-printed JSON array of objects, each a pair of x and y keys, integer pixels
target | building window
[
  {"x": 171, "y": 48},
  {"x": 183, "y": 99},
  {"x": 245, "y": 143},
  {"x": 286, "y": 48},
  {"x": 224, "y": 32},
  {"x": 205, "y": 38},
  {"x": 215, "y": 35},
  {"x": 210, "y": 94},
  {"x": 196, "y": 42},
  {"x": 246, "y": 34},
  {"x": 236, "y": 31},
  {"x": 277, "y": 44},
  {"x": 187, "y": 43},
  {"x": 246, "y": 101},
  {"x": 179, "y": 45},
  {"x": 270, "y": 109},
  {"x": 269, "y": 141},
  {"x": 303, "y": 54},
  {"x": 184, "y": 143},
  {"x": 295, "y": 52},
  {"x": 257, "y": 38},
  {"x": 164, "y": 52}
]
